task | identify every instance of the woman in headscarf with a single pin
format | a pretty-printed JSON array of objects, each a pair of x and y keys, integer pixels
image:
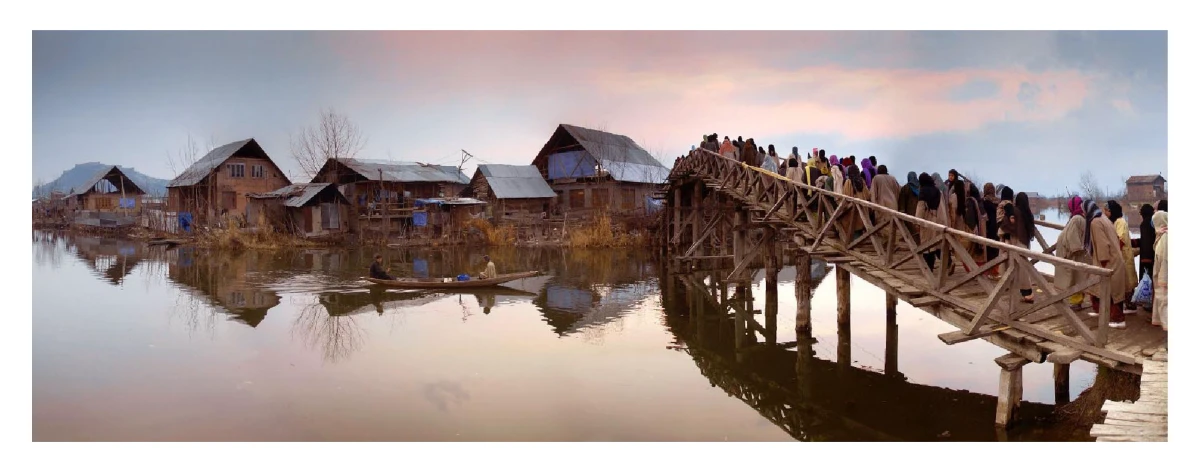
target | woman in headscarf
[
  {"x": 1162, "y": 205},
  {"x": 929, "y": 207},
  {"x": 855, "y": 186},
  {"x": 1116, "y": 215},
  {"x": 727, "y": 150},
  {"x": 1070, "y": 246},
  {"x": 885, "y": 191},
  {"x": 1003, "y": 230},
  {"x": 1104, "y": 246},
  {"x": 941, "y": 185},
  {"x": 749, "y": 154},
  {"x": 990, "y": 201},
  {"x": 906, "y": 201},
  {"x": 1159, "y": 313},
  {"x": 1146, "y": 243},
  {"x": 1020, "y": 225},
  {"x": 837, "y": 174},
  {"x": 975, "y": 220},
  {"x": 868, "y": 171},
  {"x": 771, "y": 161}
]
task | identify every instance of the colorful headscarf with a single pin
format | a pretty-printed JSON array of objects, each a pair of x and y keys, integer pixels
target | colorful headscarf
[
  {"x": 868, "y": 170},
  {"x": 1076, "y": 205},
  {"x": 913, "y": 183}
]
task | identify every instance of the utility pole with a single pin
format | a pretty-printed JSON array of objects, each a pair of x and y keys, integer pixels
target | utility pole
[{"x": 465, "y": 157}]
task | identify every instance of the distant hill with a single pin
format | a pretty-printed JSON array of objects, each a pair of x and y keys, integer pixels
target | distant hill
[{"x": 81, "y": 173}]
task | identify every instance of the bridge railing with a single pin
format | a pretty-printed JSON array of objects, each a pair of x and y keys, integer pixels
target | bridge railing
[{"x": 886, "y": 239}]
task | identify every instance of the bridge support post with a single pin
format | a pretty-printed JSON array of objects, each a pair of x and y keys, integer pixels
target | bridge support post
[
  {"x": 697, "y": 215},
  {"x": 843, "y": 296},
  {"x": 1062, "y": 383},
  {"x": 803, "y": 262},
  {"x": 843, "y": 348},
  {"x": 1012, "y": 367},
  {"x": 771, "y": 314},
  {"x": 891, "y": 344}
]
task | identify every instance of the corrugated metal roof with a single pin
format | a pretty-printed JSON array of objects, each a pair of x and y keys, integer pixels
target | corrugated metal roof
[
  {"x": 296, "y": 194},
  {"x": 620, "y": 155},
  {"x": 400, "y": 171},
  {"x": 449, "y": 201},
  {"x": 100, "y": 176},
  {"x": 509, "y": 181},
  {"x": 197, "y": 171}
]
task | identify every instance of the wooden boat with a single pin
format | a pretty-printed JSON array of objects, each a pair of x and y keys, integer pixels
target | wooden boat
[{"x": 441, "y": 283}]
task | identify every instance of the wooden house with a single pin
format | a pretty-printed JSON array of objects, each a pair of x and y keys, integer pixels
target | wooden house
[
  {"x": 593, "y": 171},
  {"x": 365, "y": 181},
  {"x": 218, "y": 184},
  {"x": 108, "y": 190},
  {"x": 1146, "y": 188},
  {"x": 512, "y": 192},
  {"x": 309, "y": 209}
]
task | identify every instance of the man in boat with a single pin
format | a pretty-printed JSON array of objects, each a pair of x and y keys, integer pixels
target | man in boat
[
  {"x": 490, "y": 271},
  {"x": 377, "y": 271}
]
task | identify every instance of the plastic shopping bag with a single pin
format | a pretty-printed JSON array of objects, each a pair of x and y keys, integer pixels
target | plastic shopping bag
[{"x": 1144, "y": 291}]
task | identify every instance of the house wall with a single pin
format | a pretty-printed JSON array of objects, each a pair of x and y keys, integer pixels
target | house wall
[
  {"x": 231, "y": 182},
  {"x": 618, "y": 198},
  {"x": 1148, "y": 191},
  {"x": 108, "y": 201}
]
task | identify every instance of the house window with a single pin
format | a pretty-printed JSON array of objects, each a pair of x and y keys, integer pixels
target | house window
[
  {"x": 576, "y": 196},
  {"x": 236, "y": 170},
  {"x": 628, "y": 199},
  {"x": 257, "y": 171},
  {"x": 329, "y": 216},
  {"x": 599, "y": 198}
]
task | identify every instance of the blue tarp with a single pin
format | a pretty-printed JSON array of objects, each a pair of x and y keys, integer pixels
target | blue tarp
[
  {"x": 653, "y": 205},
  {"x": 571, "y": 164},
  {"x": 420, "y": 268},
  {"x": 185, "y": 221},
  {"x": 126, "y": 203},
  {"x": 420, "y": 219},
  {"x": 126, "y": 251}
]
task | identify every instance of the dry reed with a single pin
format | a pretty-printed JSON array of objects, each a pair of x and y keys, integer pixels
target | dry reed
[
  {"x": 601, "y": 233},
  {"x": 503, "y": 235},
  {"x": 231, "y": 236}
]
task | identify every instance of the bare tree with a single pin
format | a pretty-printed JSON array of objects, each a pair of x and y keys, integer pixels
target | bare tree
[
  {"x": 334, "y": 137},
  {"x": 40, "y": 190},
  {"x": 185, "y": 157},
  {"x": 1089, "y": 187}
]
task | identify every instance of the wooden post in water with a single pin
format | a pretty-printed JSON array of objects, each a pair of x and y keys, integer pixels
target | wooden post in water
[
  {"x": 739, "y": 236},
  {"x": 843, "y": 296},
  {"x": 891, "y": 349},
  {"x": 697, "y": 215},
  {"x": 803, "y": 262},
  {"x": 677, "y": 220},
  {"x": 843, "y": 347},
  {"x": 1012, "y": 367},
  {"x": 771, "y": 313},
  {"x": 1062, "y": 383}
]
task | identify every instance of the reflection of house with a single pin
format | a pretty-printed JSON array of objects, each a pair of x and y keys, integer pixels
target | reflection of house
[
  {"x": 108, "y": 189},
  {"x": 570, "y": 309},
  {"x": 308, "y": 209},
  {"x": 224, "y": 283},
  {"x": 512, "y": 191},
  {"x": 592, "y": 170},
  {"x": 110, "y": 259},
  {"x": 219, "y": 182}
]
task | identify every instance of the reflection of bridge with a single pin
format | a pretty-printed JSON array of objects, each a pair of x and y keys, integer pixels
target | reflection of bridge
[
  {"x": 738, "y": 215},
  {"x": 814, "y": 399}
]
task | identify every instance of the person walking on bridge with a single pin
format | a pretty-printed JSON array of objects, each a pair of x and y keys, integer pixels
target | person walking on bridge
[
  {"x": 930, "y": 208},
  {"x": 1146, "y": 246},
  {"x": 855, "y": 186},
  {"x": 749, "y": 153},
  {"x": 1159, "y": 314},
  {"x": 1022, "y": 235},
  {"x": 868, "y": 170},
  {"x": 885, "y": 190},
  {"x": 727, "y": 150},
  {"x": 1103, "y": 245},
  {"x": 1116, "y": 215},
  {"x": 990, "y": 201},
  {"x": 1070, "y": 246}
]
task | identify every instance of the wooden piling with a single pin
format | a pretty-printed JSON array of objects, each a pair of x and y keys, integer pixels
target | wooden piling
[
  {"x": 1012, "y": 366},
  {"x": 843, "y": 296},
  {"x": 891, "y": 344},
  {"x": 843, "y": 347},
  {"x": 1062, "y": 383},
  {"x": 771, "y": 314},
  {"x": 803, "y": 292}
]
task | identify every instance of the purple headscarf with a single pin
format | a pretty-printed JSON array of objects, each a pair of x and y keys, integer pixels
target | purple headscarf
[
  {"x": 1076, "y": 205},
  {"x": 868, "y": 171}
]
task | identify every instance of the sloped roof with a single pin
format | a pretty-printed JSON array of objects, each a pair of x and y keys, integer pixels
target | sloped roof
[
  {"x": 1145, "y": 179},
  {"x": 214, "y": 159},
  {"x": 400, "y": 171},
  {"x": 297, "y": 195},
  {"x": 105, "y": 175},
  {"x": 622, "y": 157},
  {"x": 509, "y": 181}
]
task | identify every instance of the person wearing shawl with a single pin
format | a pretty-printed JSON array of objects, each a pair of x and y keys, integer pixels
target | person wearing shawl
[
  {"x": 1162, "y": 205},
  {"x": 749, "y": 153},
  {"x": 1146, "y": 243},
  {"x": 886, "y": 190},
  {"x": 906, "y": 201},
  {"x": 837, "y": 174},
  {"x": 868, "y": 171},
  {"x": 1116, "y": 215},
  {"x": 989, "y": 207},
  {"x": 1020, "y": 225},
  {"x": 771, "y": 161},
  {"x": 941, "y": 185},
  {"x": 929, "y": 207},
  {"x": 975, "y": 220},
  {"x": 1070, "y": 246},
  {"x": 1159, "y": 313},
  {"x": 1104, "y": 246},
  {"x": 855, "y": 186},
  {"x": 1003, "y": 230},
  {"x": 727, "y": 150}
]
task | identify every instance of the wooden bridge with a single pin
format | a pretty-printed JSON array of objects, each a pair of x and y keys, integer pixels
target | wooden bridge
[{"x": 722, "y": 215}]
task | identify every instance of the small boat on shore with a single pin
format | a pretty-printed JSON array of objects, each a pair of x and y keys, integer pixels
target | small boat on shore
[{"x": 449, "y": 283}]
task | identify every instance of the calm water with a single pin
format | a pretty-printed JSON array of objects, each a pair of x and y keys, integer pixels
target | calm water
[{"x": 138, "y": 343}]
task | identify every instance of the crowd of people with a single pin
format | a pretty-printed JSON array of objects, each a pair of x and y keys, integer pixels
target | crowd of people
[{"x": 1096, "y": 234}]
